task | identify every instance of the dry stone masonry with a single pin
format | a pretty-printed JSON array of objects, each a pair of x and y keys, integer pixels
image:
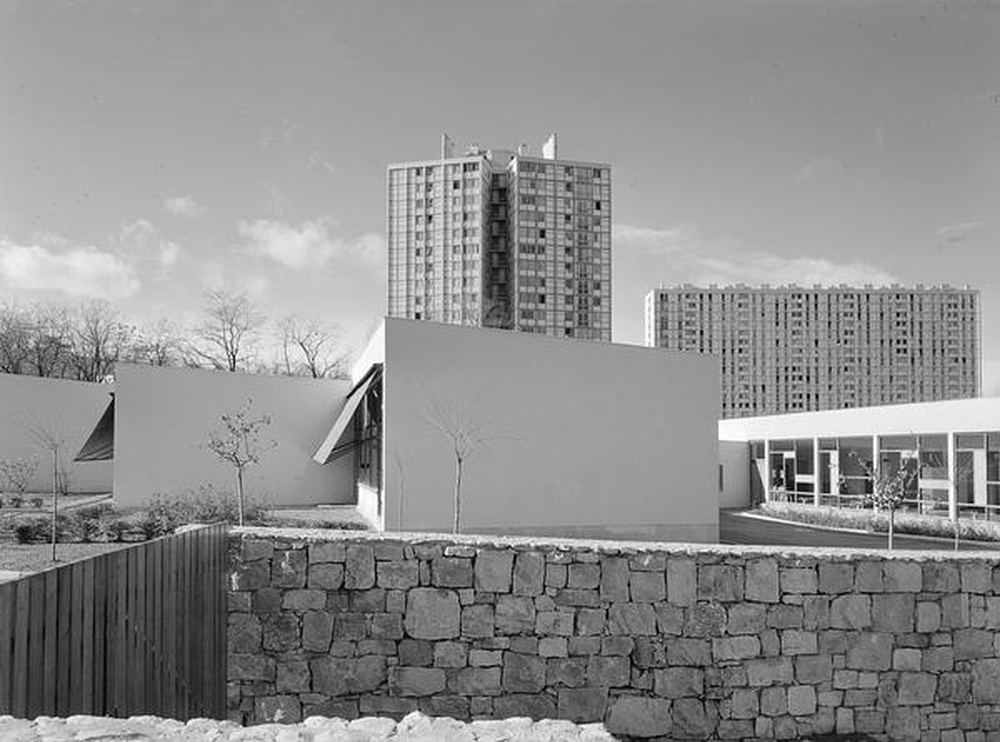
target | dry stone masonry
[{"x": 653, "y": 640}]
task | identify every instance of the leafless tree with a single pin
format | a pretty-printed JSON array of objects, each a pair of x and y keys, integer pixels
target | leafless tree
[
  {"x": 47, "y": 437},
  {"x": 238, "y": 444},
  {"x": 230, "y": 331},
  {"x": 100, "y": 339},
  {"x": 158, "y": 344},
  {"x": 309, "y": 348},
  {"x": 52, "y": 341},
  {"x": 15, "y": 339}
]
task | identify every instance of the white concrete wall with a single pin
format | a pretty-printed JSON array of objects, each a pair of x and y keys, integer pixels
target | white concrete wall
[
  {"x": 960, "y": 415},
  {"x": 70, "y": 409},
  {"x": 163, "y": 418},
  {"x": 734, "y": 458},
  {"x": 585, "y": 438}
]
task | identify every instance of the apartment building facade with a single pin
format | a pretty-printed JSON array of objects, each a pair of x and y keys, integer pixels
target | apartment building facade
[
  {"x": 790, "y": 348},
  {"x": 501, "y": 238}
]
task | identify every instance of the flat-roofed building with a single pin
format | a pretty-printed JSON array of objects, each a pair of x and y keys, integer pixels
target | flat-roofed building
[
  {"x": 501, "y": 238},
  {"x": 790, "y": 348}
]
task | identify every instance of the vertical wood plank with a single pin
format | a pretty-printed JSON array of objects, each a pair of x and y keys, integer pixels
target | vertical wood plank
[
  {"x": 46, "y": 619},
  {"x": 76, "y": 638},
  {"x": 119, "y": 700},
  {"x": 37, "y": 671},
  {"x": 139, "y": 665},
  {"x": 87, "y": 632},
  {"x": 19, "y": 676},
  {"x": 63, "y": 649},
  {"x": 155, "y": 580},
  {"x": 102, "y": 626},
  {"x": 170, "y": 628},
  {"x": 8, "y": 603}
]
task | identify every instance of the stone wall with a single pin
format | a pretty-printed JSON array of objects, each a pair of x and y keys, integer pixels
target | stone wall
[{"x": 652, "y": 639}]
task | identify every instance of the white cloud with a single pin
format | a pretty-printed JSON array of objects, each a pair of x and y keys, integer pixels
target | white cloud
[
  {"x": 147, "y": 245},
  {"x": 818, "y": 168},
  {"x": 183, "y": 206},
  {"x": 955, "y": 233},
  {"x": 311, "y": 244},
  {"x": 79, "y": 270},
  {"x": 170, "y": 252},
  {"x": 695, "y": 259}
]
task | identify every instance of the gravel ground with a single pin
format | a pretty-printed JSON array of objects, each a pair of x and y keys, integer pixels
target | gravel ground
[{"x": 412, "y": 728}]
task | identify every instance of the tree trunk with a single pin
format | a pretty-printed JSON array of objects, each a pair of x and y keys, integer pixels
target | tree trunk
[
  {"x": 892, "y": 524},
  {"x": 55, "y": 492},
  {"x": 239, "y": 494},
  {"x": 458, "y": 496}
]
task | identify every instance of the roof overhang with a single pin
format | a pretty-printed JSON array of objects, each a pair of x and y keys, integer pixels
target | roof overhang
[
  {"x": 330, "y": 449},
  {"x": 100, "y": 445}
]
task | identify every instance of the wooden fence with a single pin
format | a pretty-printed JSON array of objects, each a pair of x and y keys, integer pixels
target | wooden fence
[{"x": 141, "y": 630}]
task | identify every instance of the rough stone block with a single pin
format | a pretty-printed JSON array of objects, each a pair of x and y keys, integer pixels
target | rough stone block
[
  {"x": 955, "y": 611},
  {"x": 928, "y": 616},
  {"x": 292, "y": 677},
  {"x": 583, "y": 576},
  {"x": 552, "y": 646},
  {"x": 304, "y": 600},
  {"x": 359, "y": 569},
  {"x": 477, "y": 621},
  {"x": 799, "y": 580},
  {"x": 451, "y": 572},
  {"x": 244, "y": 633},
  {"x": 529, "y": 573},
  {"x": 632, "y": 619},
  {"x": 570, "y": 671},
  {"x": 746, "y": 618},
  {"x": 608, "y": 672},
  {"x": 251, "y": 667},
  {"x": 494, "y": 570},
  {"x": 387, "y": 626},
  {"x": 902, "y": 723},
  {"x": 851, "y": 612},
  {"x": 398, "y": 575},
  {"x": 555, "y": 575},
  {"x": 902, "y": 577},
  {"x": 906, "y": 659},
  {"x": 485, "y": 658},
  {"x": 795, "y": 641},
  {"x": 937, "y": 659},
  {"x": 514, "y": 615},
  {"x": 669, "y": 619},
  {"x": 635, "y": 716},
  {"x": 972, "y": 643},
  {"x": 762, "y": 580},
  {"x": 252, "y": 575},
  {"x": 977, "y": 577},
  {"x": 451, "y": 654},
  {"x": 523, "y": 673},
  {"x": 986, "y": 681},
  {"x": 743, "y": 704},
  {"x": 557, "y": 623},
  {"x": 679, "y": 682},
  {"x": 735, "y": 648},
  {"x": 813, "y": 669},
  {"x": 647, "y": 587},
  {"x": 317, "y": 631},
  {"x": 350, "y": 626},
  {"x": 836, "y": 577},
  {"x": 416, "y": 653},
  {"x": 801, "y": 700},
  {"x": 280, "y": 632},
  {"x": 577, "y": 597},
  {"x": 337, "y": 676},
  {"x": 682, "y": 582},
  {"x": 870, "y": 651},
  {"x": 784, "y": 616},
  {"x": 693, "y": 718},
  {"x": 916, "y": 688},
  {"x": 693, "y": 652},
  {"x": 590, "y": 621},
  {"x": 327, "y": 552},
  {"x": 326, "y": 576},
  {"x": 720, "y": 582},
  {"x": 254, "y": 549},
  {"x": 416, "y": 681},
  {"x": 582, "y": 705},
  {"x": 705, "y": 619},
  {"x": 619, "y": 646},
  {"x": 769, "y": 671},
  {"x": 432, "y": 614},
  {"x": 774, "y": 701},
  {"x": 614, "y": 579},
  {"x": 940, "y": 577},
  {"x": 387, "y": 552}
]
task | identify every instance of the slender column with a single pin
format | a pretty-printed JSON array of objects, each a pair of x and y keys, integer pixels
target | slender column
[
  {"x": 952, "y": 474},
  {"x": 816, "y": 476},
  {"x": 767, "y": 470},
  {"x": 876, "y": 461}
]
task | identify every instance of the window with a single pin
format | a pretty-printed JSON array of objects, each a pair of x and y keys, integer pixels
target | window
[
  {"x": 455, "y": 185},
  {"x": 541, "y": 234}
]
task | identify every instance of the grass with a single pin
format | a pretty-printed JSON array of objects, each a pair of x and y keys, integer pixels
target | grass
[
  {"x": 864, "y": 519},
  {"x": 36, "y": 557}
]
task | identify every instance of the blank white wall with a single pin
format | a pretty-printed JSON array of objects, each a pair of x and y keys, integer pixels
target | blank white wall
[
  {"x": 163, "y": 417},
  {"x": 589, "y": 439},
  {"x": 71, "y": 409}
]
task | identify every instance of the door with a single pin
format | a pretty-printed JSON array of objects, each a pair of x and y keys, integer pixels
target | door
[{"x": 965, "y": 476}]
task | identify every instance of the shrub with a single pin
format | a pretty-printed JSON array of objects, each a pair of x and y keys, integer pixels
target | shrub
[
  {"x": 15, "y": 501},
  {"x": 36, "y": 503},
  {"x": 34, "y": 530},
  {"x": 165, "y": 513},
  {"x": 111, "y": 530}
]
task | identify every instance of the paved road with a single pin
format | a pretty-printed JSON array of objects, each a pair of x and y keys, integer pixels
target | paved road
[{"x": 738, "y": 528}]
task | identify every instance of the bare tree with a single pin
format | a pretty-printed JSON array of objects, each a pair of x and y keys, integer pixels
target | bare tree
[
  {"x": 15, "y": 339},
  {"x": 230, "y": 331},
  {"x": 158, "y": 344},
  {"x": 48, "y": 438},
  {"x": 309, "y": 348},
  {"x": 17, "y": 473},
  {"x": 238, "y": 444},
  {"x": 100, "y": 339},
  {"x": 465, "y": 434},
  {"x": 52, "y": 343}
]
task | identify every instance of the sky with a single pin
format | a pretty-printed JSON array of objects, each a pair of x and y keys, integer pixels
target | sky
[{"x": 152, "y": 151}]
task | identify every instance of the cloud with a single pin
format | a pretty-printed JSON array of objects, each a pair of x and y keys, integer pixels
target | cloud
[
  {"x": 818, "y": 168},
  {"x": 79, "y": 270},
  {"x": 698, "y": 260},
  {"x": 147, "y": 243},
  {"x": 312, "y": 244},
  {"x": 183, "y": 206},
  {"x": 955, "y": 233}
]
